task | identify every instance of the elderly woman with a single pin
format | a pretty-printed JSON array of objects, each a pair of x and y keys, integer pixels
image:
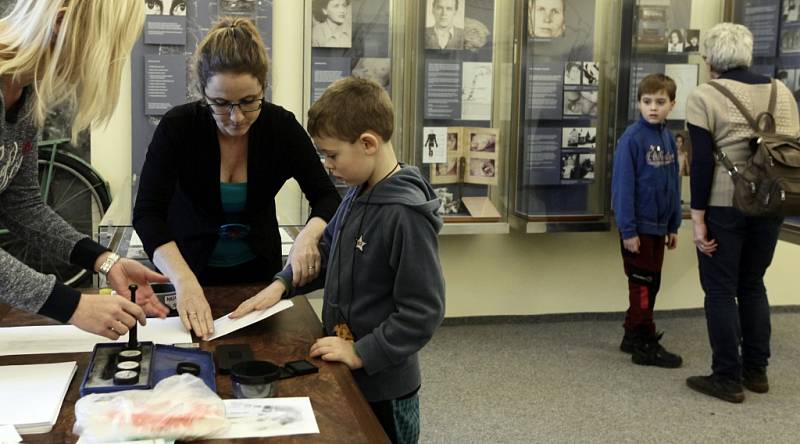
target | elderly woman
[{"x": 734, "y": 250}]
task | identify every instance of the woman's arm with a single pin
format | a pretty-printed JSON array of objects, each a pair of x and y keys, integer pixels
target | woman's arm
[{"x": 193, "y": 308}]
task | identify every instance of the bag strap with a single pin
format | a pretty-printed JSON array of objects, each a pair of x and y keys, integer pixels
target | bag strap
[{"x": 742, "y": 109}]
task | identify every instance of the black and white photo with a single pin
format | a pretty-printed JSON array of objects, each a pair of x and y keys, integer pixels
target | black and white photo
[
  {"x": 579, "y": 137},
  {"x": 572, "y": 73},
  {"x": 444, "y": 24},
  {"x": 331, "y": 24},
  {"x": 591, "y": 73}
]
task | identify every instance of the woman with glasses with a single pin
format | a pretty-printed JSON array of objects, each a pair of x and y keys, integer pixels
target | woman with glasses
[{"x": 205, "y": 209}]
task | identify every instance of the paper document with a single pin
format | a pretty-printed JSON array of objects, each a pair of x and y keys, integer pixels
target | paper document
[
  {"x": 31, "y": 395},
  {"x": 44, "y": 339},
  {"x": 263, "y": 417},
  {"x": 8, "y": 434},
  {"x": 225, "y": 325}
]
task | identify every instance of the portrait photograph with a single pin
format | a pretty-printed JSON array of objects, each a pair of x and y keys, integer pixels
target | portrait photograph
[
  {"x": 546, "y": 18},
  {"x": 453, "y": 144},
  {"x": 675, "y": 40},
  {"x": 444, "y": 24},
  {"x": 573, "y": 73},
  {"x": 579, "y": 137},
  {"x": 165, "y": 7},
  {"x": 692, "y": 41},
  {"x": 331, "y": 24}
]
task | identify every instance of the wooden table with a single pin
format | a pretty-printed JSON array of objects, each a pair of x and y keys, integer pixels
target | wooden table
[{"x": 342, "y": 412}]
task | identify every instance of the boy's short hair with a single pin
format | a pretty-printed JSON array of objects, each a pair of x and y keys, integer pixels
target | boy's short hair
[
  {"x": 350, "y": 107},
  {"x": 654, "y": 83}
]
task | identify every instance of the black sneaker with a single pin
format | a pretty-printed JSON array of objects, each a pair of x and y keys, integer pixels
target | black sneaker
[
  {"x": 649, "y": 352},
  {"x": 722, "y": 388},
  {"x": 755, "y": 379},
  {"x": 628, "y": 341}
]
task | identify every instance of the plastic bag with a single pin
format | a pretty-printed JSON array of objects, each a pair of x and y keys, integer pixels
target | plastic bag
[{"x": 178, "y": 407}]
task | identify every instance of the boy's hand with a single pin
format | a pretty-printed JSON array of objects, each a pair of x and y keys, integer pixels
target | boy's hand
[
  {"x": 334, "y": 348},
  {"x": 672, "y": 241},
  {"x": 261, "y": 301},
  {"x": 631, "y": 244}
]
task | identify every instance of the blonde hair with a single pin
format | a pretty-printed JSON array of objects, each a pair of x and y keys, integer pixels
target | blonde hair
[
  {"x": 81, "y": 65},
  {"x": 350, "y": 107},
  {"x": 233, "y": 45}
]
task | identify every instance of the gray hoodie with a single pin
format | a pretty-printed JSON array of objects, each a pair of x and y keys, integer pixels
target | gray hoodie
[{"x": 383, "y": 278}]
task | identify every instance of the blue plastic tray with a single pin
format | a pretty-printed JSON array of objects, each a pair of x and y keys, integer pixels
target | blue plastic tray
[{"x": 163, "y": 363}]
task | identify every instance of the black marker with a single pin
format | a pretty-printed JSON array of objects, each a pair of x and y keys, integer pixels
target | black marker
[{"x": 133, "y": 342}]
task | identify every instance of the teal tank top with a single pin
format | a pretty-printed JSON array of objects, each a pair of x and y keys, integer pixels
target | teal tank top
[{"x": 232, "y": 246}]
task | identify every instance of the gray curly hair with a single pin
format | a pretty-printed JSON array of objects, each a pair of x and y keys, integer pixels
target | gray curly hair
[{"x": 728, "y": 46}]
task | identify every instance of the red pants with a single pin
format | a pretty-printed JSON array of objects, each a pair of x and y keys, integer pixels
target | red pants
[{"x": 644, "y": 280}]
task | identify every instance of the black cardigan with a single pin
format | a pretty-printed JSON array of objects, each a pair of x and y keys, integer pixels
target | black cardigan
[{"x": 179, "y": 193}]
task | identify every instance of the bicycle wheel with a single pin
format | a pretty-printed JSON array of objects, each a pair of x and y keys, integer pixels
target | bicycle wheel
[{"x": 79, "y": 196}]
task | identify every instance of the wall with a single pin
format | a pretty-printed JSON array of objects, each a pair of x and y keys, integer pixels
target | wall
[{"x": 514, "y": 274}]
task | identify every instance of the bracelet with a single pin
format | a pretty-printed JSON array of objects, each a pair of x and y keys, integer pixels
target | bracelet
[{"x": 105, "y": 267}]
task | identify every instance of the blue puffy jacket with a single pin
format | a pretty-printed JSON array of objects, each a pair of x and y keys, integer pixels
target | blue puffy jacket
[{"x": 645, "y": 187}]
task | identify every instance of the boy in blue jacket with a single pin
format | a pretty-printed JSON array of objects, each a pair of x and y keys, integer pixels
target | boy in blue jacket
[
  {"x": 384, "y": 289},
  {"x": 645, "y": 196}
]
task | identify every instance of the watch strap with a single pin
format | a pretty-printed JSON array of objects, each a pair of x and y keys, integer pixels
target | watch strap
[{"x": 111, "y": 259}]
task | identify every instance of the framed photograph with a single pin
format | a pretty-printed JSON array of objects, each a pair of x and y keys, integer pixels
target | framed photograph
[
  {"x": 675, "y": 40},
  {"x": 579, "y": 137},
  {"x": 444, "y": 24},
  {"x": 481, "y": 171},
  {"x": 331, "y": 25},
  {"x": 692, "y": 41},
  {"x": 446, "y": 172},
  {"x": 453, "y": 142},
  {"x": 572, "y": 73},
  {"x": 482, "y": 140}
]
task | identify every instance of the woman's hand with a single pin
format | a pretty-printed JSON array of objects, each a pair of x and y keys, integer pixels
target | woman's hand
[
  {"x": 193, "y": 308},
  {"x": 261, "y": 301},
  {"x": 334, "y": 348},
  {"x": 127, "y": 271},
  {"x": 305, "y": 257},
  {"x": 705, "y": 246},
  {"x": 110, "y": 316}
]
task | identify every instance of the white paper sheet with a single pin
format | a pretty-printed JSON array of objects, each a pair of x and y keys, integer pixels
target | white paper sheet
[
  {"x": 263, "y": 417},
  {"x": 70, "y": 339},
  {"x": 31, "y": 395},
  {"x": 225, "y": 325},
  {"x": 8, "y": 434}
]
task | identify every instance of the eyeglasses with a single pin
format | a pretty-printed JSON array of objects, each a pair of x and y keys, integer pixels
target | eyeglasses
[{"x": 226, "y": 108}]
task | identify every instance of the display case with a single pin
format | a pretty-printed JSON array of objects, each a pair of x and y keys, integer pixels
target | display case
[
  {"x": 568, "y": 61},
  {"x": 361, "y": 38},
  {"x": 775, "y": 25},
  {"x": 459, "y": 127}
]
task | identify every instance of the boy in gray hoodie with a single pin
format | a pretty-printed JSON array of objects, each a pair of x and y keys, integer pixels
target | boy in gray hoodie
[{"x": 384, "y": 289}]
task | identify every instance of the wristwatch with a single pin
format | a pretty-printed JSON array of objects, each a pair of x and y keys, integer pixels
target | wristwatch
[{"x": 105, "y": 267}]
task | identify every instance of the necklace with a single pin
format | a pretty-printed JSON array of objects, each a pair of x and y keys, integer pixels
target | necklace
[{"x": 360, "y": 242}]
